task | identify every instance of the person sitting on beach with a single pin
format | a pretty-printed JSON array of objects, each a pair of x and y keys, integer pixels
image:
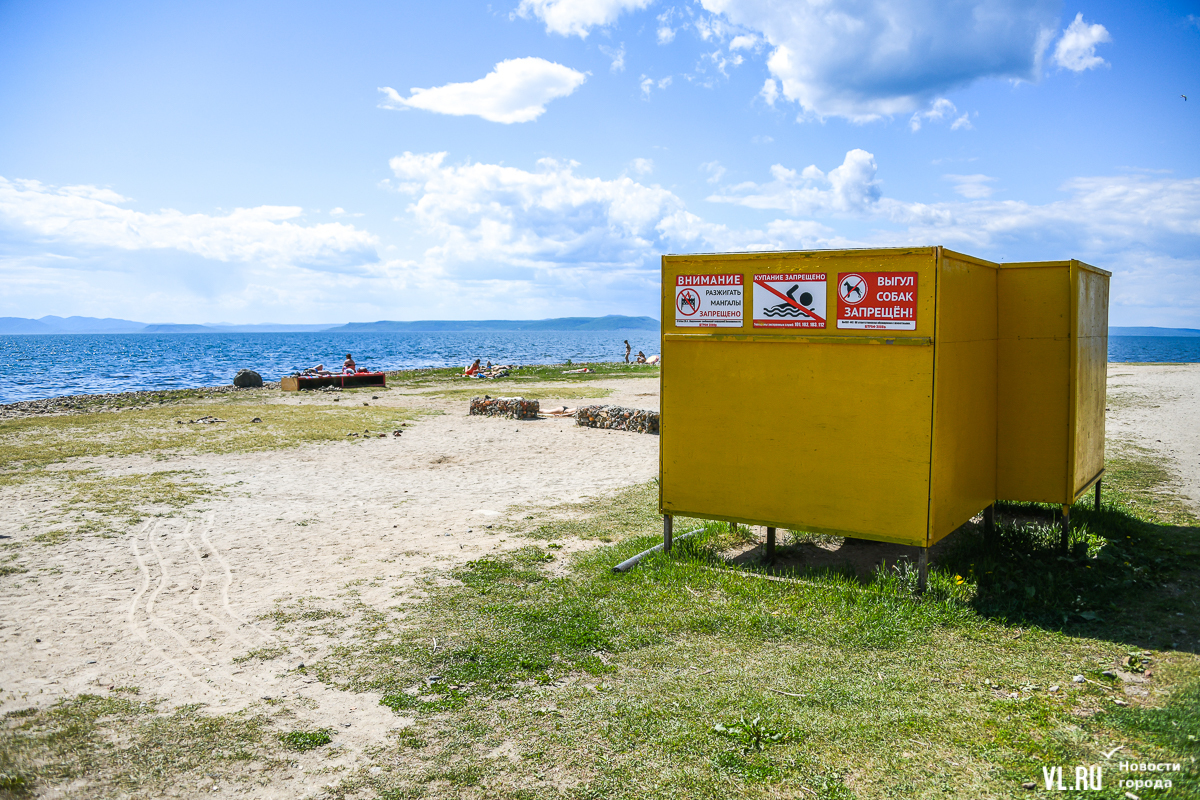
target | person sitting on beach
[
  {"x": 641, "y": 358},
  {"x": 472, "y": 370},
  {"x": 348, "y": 364}
]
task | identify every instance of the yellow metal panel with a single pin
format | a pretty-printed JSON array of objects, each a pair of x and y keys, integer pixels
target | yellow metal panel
[
  {"x": 964, "y": 422},
  {"x": 828, "y": 437},
  {"x": 1033, "y": 422},
  {"x": 1091, "y": 362},
  {"x": 821, "y": 429}
]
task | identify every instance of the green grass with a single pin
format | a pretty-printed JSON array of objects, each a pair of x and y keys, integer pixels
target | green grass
[
  {"x": 302, "y": 741},
  {"x": 649, "y": 684},
  {"x": 423, "y": 378},
  {"x": 122, "y": 746},
  {"x": 31, "y": 443}
]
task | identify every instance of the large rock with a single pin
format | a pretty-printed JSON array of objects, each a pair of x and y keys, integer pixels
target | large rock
[{"x": 247, "y": 379}]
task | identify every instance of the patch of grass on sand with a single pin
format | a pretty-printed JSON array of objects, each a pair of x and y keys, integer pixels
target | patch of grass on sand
[
  {"x": 558, "y": 373},
  {"x": 30, "y": 443},
  {"x": 687, "y": 678},
  {"x": 550, "y": 393},
  {"x": 302, "y": 741},
  {"x": 120, "y": 746}
]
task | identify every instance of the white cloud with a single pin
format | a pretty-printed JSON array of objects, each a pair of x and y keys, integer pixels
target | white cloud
[
  {"x": 1076, "y": 50},
  {"x": 552, "y": 218},
  {"x": 617, "y": 56},
  {"x": 72, "y": 217},
  {"x": 648, "y": 84},
  {"x": 939, "y": 110},
  {"x": 850, "y": 188},
  {"x": 577, "y": 17},
  {"x": 665, "y": 33},
  {"x": 762, "y": 139},
  {"x": 962, "y": 123},
  {"x": 641, "y": 166},
  {"x": 745, "y": 42},
  {"x": 972, "y": 187},
  {"x": 517, "y": 90},
  {"x": 715, "y": 171},
  {"x": 862, "y": 59},
  {"x": 770, "y": 91}
]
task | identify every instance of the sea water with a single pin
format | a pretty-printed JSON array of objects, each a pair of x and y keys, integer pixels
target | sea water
[
  {"x": 34, "y": 367},
  {"x": 39, "y": 366}
]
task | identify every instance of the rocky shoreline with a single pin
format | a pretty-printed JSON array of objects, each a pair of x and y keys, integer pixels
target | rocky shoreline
[{"x": 113, "y": 402}]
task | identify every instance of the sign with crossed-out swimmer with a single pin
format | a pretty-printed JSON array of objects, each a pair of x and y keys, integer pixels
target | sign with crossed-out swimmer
[{"x": 789, "y": 301}]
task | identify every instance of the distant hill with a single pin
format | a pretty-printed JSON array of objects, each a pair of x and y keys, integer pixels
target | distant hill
[
  {"x": 612, "y": 322},
  {"x": 51, "y": 324},
  {"x": 1153, "y": 332}
]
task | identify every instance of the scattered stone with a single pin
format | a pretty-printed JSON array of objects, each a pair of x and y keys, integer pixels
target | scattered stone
[
  {"x": 366, "y": 404},
  {"x": 248, "y": 379},
  {"x": 1077, "y": 679},
  {"x": 256, "y": 419},
  {"x": 618, "y": 418},
  {"x": 1028, "y": 785},
  {"x": 1108, "y": 673},
  {"x": 374, "y": 397},
  {"x": 512, "y": 407}
]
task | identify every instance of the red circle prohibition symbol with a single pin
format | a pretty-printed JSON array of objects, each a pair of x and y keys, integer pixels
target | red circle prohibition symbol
[
  {"x": 853, "y": 289},
  {"x": 687, "y": 299}
]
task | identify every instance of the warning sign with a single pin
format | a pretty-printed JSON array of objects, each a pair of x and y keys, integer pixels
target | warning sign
[
  {"x": 789, "y": 301},
  {"x": 877, "y": 301},
  {"x": 708, "y": 301}
]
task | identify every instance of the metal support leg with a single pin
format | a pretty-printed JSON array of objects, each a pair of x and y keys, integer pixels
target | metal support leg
[
  {"x": 770, "y": 553},
  {"x": 668, "y": 529},
  {"x": 1066, "y": 528},
  {"x": 1098, "y": 494},
  {"x": 989, "y": 525},
  {"x": 922, "y": 569}
]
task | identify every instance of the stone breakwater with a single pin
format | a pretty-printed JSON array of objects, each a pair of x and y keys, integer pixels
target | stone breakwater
[
  {"x": 618, "y": 418},
  {"x": 113, "y": 402},
  {"x": 513, "y": 407}
]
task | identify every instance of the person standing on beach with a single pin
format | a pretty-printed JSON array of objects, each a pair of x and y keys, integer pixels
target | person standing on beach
[{"x": 628, "y": 350}]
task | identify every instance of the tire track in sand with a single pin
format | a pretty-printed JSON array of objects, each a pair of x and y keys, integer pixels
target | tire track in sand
[{"x": 136, "y": 629}]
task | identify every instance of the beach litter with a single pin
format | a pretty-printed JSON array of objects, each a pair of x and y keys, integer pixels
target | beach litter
[
  {"x": 512, "y": 407},
  {"x": 201, "y": 421},
  {"x": 618, "y": 418}
]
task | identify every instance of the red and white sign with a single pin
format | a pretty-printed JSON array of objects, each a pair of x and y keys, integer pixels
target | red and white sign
[
  {"x": 789, "y": 301},
  {"x": 708, "y": 301},
  {"x": 877, "y": 301}
]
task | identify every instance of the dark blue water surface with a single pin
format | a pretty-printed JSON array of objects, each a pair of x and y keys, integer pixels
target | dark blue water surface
[
  {"x": 1154, "y": 348},
  {"x": 34, "y": 367}
]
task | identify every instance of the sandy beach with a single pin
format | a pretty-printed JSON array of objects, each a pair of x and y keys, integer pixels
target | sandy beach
[{"x": 177, "y": 603}]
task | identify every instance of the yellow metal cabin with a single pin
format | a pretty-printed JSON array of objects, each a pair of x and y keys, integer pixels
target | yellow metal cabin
[
  {"x": 847, "y": 392},
  {"x": 1053, "y": 356}
]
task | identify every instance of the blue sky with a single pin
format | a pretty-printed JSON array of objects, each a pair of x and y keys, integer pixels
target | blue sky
[{"x": 279, "y": 162}]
